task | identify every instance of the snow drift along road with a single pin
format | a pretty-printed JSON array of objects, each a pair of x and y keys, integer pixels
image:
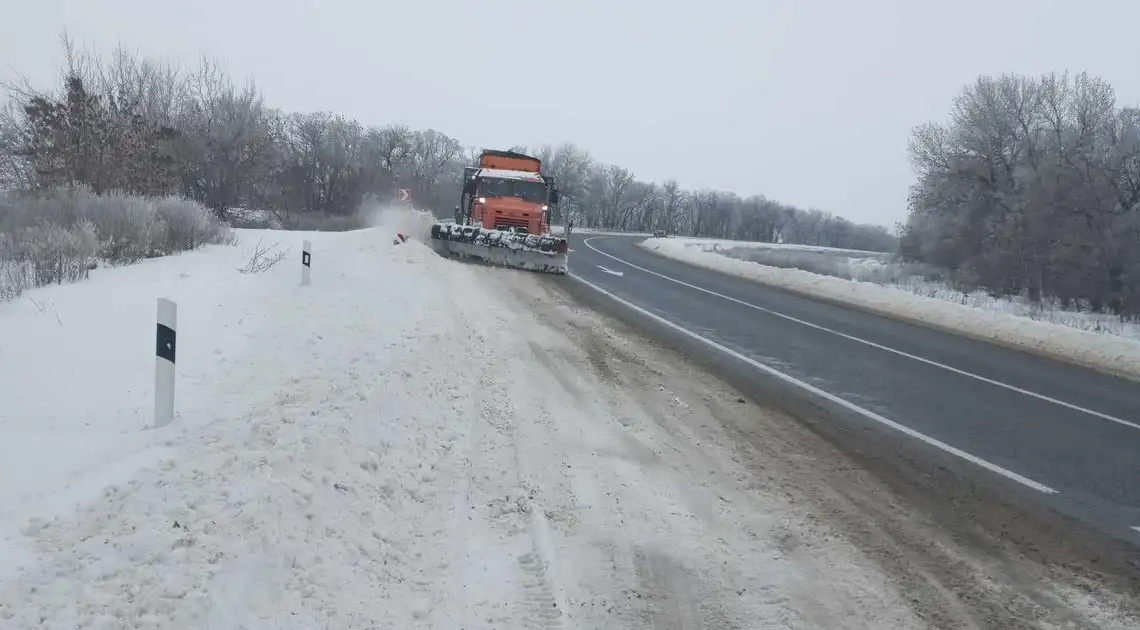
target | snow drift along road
[
  {"x": 407, "y": 442},
  {"x": 1114, "y": 355}
]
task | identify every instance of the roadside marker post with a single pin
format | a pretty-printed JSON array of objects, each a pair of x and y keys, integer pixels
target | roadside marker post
[{"x": 165, "y": 351}]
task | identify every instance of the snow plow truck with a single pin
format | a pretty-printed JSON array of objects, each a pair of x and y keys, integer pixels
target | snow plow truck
[{"x": 503, "y": 218}]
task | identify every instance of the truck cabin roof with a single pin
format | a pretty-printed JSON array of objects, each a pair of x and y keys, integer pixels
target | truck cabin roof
[
  {"x": 508, "y": 154},
  {"x": 505, "y": 174}
]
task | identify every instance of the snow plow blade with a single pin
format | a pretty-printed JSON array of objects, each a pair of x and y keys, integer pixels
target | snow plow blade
[{"x": 501, "y": 248}]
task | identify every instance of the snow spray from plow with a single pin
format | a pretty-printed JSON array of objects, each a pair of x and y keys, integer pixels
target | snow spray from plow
[{"x": 533, "y": 252}]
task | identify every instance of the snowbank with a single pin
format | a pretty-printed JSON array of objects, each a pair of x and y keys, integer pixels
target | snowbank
[
  {"x": 1111, "y": 354},
  {"x": 214, "y": 519},
  {"x": 925, "y": 280},
  {"x": 77, "y": 372},
  {"x": 561, "y": 229},
  {"x": 721, "y": 243}
]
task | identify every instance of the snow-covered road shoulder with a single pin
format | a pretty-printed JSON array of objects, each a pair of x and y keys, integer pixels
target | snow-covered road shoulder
[
  {"x": 1115, "y": 355},
  {"x": 407, "y": 442}
]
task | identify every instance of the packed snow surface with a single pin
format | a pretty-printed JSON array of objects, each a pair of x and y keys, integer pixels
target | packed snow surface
[
  {"x": 1116, "y": 354},
  {"x": 401, "y": 444}
]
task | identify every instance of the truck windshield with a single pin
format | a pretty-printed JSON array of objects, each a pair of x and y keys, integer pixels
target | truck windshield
[{"x": 534, "y": 192}]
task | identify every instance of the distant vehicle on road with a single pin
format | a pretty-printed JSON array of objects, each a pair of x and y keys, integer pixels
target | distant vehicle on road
[{"x": 659, "y": 234}]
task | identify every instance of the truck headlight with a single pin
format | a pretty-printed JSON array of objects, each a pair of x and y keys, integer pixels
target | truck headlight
[{"x": 481, "y": 200}]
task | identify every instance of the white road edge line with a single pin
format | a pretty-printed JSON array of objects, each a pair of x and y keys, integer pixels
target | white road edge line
[
  {"x": 1012, "y": 388},
  {"x": 811, "y": 389}
]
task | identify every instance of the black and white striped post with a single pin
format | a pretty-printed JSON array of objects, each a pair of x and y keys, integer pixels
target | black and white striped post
[
  {"x": 306, "y": 262},
  {"x": 164, "y": 352}
]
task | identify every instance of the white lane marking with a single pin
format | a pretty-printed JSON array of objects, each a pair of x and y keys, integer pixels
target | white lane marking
[
  {"x": 1012, "y": 388},
  {"x": 611, "y": 271},
  {"x": 866, "y": 413}
]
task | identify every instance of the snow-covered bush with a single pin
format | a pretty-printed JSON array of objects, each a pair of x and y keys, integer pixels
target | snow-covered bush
[
  {"x": 58, "y": 235},
  {"x": 252, "y": 219},
  {"x": 15, "y": 277},
  {"x": 55, "y": 254},
  {"x": 129, "y": 227},
  {"x": 189, "y": 225}
]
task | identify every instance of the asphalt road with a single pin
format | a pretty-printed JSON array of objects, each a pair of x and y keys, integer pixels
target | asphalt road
[{"x": 1074, "y": 447}]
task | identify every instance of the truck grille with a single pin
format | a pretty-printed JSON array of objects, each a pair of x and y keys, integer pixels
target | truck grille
[{"x": 511, "y": 222}]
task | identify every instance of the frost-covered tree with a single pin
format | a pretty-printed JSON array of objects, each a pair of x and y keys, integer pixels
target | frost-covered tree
[{"x": 1032, "y": 187}]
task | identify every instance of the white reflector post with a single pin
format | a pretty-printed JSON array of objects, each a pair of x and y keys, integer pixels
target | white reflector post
[
  {"x": 306, "y": 262},
  {"x": 164, "y": 354}
]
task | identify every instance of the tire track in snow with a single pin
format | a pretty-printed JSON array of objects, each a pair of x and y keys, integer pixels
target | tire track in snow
[
  {"x": 476, "y": 575},
  {"x": 499, "y": 555},
  {"x": 540, "y": 608},
  {"x": 662, "y": 592},
  {"x": 578, "y": 357},
  {"x": 543, "y": 611},
  {"x": 675, "y": 597},
  {"x": 645, "y": 585}
]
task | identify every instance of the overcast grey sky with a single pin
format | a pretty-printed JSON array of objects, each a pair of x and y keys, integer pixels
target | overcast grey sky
[{"x": 809, "y": 102}]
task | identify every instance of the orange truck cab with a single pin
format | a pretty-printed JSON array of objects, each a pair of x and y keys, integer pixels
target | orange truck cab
[{"x": 508, "y": 191}]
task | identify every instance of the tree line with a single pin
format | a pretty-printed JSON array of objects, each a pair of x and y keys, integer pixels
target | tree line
[
  {"x": 133, "y": 124},
  {"x": 1032, "y": 187}
]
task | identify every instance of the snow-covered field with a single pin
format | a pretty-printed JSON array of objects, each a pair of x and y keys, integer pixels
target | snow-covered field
[
  {"x": 405, "y": 443},
  {"x": 869, "y": 281}
]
